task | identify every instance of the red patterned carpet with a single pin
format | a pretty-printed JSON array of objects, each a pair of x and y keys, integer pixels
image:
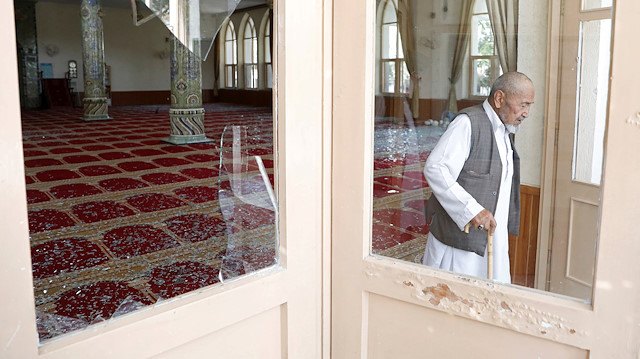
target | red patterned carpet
[{"x": 119, "y": 219}]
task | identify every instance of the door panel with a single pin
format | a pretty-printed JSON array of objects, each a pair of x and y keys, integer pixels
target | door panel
[
  {"x": 579, "y": 269},
  {"x": 264, "y": 331},
  {"x": 581, "y": 123},
  {"x": 423, "y": 334}
]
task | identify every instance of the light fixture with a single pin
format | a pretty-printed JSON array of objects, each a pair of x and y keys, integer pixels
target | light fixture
[{"x": 73, "y": 69}]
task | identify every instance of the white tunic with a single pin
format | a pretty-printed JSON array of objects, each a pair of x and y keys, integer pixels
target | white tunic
[{"x": 441, "y": 171}]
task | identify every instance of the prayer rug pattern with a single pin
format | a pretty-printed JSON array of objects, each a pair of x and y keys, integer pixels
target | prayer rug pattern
[{"x": 120, "y": 219}]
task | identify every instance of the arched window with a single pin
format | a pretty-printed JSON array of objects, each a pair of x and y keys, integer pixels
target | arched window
[
  {"x": 250, "y": 42},
  {"x": 230, "y": 57},
  {"x": 393, "y": 69},
  {"x": 483, "y": 58},
  {"x": 267, "y": 55}
]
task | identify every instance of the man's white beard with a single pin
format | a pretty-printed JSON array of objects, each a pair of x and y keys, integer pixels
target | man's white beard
[{"x": 512, "y": 128}]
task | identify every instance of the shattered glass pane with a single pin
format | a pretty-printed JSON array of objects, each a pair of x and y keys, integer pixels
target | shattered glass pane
[
  {"x": 247, "y": 203},
  {"x": 119, "y": 220},
  {"x": 194, "y": 22}
]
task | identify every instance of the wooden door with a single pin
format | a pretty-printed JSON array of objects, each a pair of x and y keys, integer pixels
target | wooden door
[
  {"x": 387, "y": 308},
  {"x": 273, "y": 314},
  {"x": 584, "y": 85}
]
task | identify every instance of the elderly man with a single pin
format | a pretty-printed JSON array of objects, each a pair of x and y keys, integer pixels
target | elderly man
[{"x": 474, "y": 173}]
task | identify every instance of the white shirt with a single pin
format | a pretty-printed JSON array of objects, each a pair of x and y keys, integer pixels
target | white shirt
[{"x": 441, "y": 171}]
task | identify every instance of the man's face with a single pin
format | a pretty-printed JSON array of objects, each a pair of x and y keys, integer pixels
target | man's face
[{"x": 514, "y": 108}]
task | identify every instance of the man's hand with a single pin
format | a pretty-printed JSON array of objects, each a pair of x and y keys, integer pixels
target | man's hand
[{"x": 484, "y": 218}]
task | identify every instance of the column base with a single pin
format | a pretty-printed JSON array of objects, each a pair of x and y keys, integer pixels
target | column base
[
  {"x": 95, "y": 109},
  {"x": 96, "y": 118},
  {"x": 185, "y": 140},
  {"x": 187, "y": 126}
]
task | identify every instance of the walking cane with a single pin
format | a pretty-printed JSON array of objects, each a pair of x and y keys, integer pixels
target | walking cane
[{"x": 489, "y": 251}]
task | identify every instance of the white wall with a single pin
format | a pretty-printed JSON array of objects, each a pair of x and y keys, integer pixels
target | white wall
[
  {"x": 63, "y": 31},
  {"x": 532, "y": 61},
  {"x": 436, "y": 40},
  {"x": 132, "y": 52}
]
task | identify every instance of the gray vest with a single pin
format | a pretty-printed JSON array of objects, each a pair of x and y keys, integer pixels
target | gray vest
[{"x": 480, "y": 176}]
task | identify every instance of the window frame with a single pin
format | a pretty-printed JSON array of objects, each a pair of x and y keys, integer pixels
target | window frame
[
  {"x": 268, "y": 62},
  {"x": 248, "y": 66},
  {"x": 494, "y": 60},
  {"x": 398, "y": 62},
  {"x": 233, "y": 67}
]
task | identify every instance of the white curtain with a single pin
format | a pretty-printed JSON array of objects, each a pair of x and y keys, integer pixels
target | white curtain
[{"x": 504, "y": 23}]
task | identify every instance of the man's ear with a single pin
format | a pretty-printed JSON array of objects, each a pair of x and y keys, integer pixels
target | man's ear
[{"x": 499, "y": 99}]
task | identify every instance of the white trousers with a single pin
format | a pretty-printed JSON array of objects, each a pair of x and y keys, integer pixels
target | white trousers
[{"x": 440, "y": 255}]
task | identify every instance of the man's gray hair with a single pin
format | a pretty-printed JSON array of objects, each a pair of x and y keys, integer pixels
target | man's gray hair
[{"x": 509, "y": 83}]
